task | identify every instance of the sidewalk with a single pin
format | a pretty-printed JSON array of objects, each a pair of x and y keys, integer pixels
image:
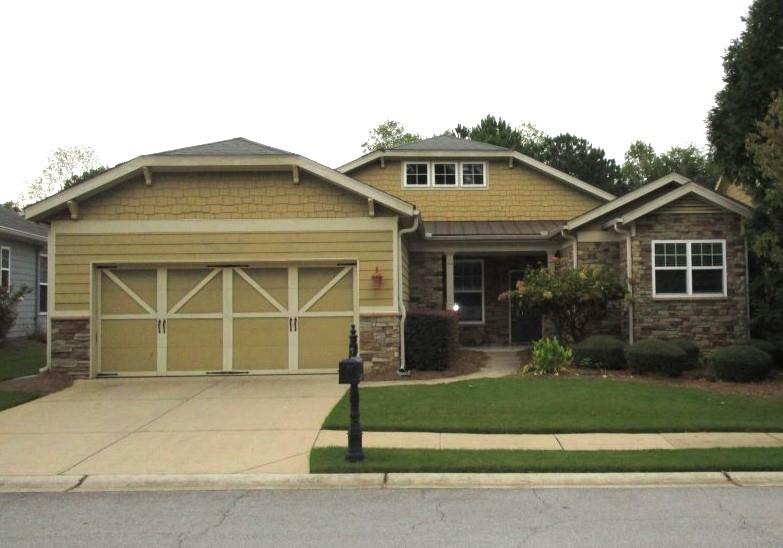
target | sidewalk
[{"x": 554, "y": 442}]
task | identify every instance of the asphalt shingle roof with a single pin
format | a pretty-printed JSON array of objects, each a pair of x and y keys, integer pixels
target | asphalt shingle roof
[
  {"x": 11, "y": 219},
  {"x": 239, "y": 146},
  {"x": 446, "y": 142},
  {"x": 522, "y": 230}
]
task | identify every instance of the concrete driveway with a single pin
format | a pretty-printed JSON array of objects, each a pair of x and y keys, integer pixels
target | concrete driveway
[{"x": 169, "y": 425}]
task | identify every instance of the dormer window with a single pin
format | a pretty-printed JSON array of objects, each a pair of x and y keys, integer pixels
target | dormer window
[
  {"x": 473, "y": 174},
  {"x": 417, "y": 174},
  {"x": 445, "y": 174}
]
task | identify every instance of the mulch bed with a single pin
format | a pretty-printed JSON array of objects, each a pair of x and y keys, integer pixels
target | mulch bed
[
  {"x": 464, "y": 363},
  {"x": 40, "y": 385}
]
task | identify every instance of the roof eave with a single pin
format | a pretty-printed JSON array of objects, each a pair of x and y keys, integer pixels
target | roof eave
[{"x": 21, "y": 234}]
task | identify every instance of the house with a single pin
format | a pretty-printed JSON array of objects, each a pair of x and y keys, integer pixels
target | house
[
  {"x": 236, "y": 257},
  {"x": 23, "y": 263}
]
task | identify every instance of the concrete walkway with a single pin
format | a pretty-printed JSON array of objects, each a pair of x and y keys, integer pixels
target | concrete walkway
[
  {"x": 554, "y": 442},
  {"x": 185, "y": 425}
]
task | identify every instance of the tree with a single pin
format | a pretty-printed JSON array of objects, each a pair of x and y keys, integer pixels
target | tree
[
  {"x": 64, "y": 164},
  {"x": 387, "y": 135},
  {"x": 642, "y": 164},
  {"x": 13, "y": 206},
  {"x": 578, "y": 157},
  {"x": 495, "y": 131},
  {"x": 89, "y": 174}
]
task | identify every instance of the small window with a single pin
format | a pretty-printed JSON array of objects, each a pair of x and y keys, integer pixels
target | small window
[
  {"x": 469, "y": 289},
  {"x": 5, "y": 267},
  {"x": 43, "y": 284},
  {"x": 686, "y": 268},
  {"x": 445, "y": 174},
  {"x": 417, "y": 174},
  {"x": 473, "y": 174}
]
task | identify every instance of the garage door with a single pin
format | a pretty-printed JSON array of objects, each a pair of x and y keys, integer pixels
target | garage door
[{"x": 207, "y": 320}]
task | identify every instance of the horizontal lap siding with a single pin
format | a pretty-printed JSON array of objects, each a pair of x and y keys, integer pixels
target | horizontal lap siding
[
  {"x": 75, "y": 252},
  {"x": 24, "y": 260}
]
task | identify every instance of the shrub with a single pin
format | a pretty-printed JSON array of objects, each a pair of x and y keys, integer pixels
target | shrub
[
  {"x": 741, "y": 363},
  {"x": 549, "y": 357},
  {"x": 691, "y": 351},
  {"x": 431, "y": 339},
  {"x": 770, "y": 348},
  {"x": 601, "y": 352},
  {"x": 655, "y": 356},
  {"x": 9, "y": 298}
]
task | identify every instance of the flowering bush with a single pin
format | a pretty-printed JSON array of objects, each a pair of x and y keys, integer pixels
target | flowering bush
[
  {"x": 570, "y": 297},
  {"x": 8, "y": 301},
  {"x": 549, "y": 357}
]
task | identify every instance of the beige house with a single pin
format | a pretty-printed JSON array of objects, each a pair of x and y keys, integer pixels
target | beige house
[{"x": 235, "y": 257}]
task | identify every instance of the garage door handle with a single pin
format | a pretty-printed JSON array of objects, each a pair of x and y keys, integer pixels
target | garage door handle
[
  {"x": 158, "y": 326},
  {"x": 164, "y": 326},
  {"x": 290, "y": 324},
  {"x": 295, "y": 328}
]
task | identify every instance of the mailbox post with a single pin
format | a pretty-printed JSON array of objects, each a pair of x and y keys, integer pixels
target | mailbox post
[{"x": 350, "y": 372}]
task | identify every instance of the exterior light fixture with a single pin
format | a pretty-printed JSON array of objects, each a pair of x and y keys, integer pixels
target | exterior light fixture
[
  {"x": 377, "y": 279},
  {"x": 455, "y": 307}
]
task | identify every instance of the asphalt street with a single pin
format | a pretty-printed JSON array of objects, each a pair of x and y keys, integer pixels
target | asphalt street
[{"x": 716, "y": 516}]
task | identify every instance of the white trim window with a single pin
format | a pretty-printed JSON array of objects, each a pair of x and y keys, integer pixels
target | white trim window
[
  {"x": 43, "y": 284},
  {"x": 469, "y": 290},
  {"x": 689, "y": 268},
  {"x": 5, "y": 267},
  {"x": 474, "y": 174},
  {"x": 417, "y": 174},
  {"x": 444, "y": 174}
]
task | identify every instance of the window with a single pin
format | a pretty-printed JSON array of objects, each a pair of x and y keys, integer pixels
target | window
[
  {"x": 689, "y": 268},
  {"x": 469, "y": 289},
  {"x": 472, "y": 174},
  {"x": 43, "y": 284},
  {"x": 417, "y": 174},
  {"x": 5, "y": 267},
  {"x": 445, "y": 174}
]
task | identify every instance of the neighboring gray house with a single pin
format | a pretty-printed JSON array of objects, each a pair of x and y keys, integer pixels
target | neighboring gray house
[{"x": 23, "y": 262}]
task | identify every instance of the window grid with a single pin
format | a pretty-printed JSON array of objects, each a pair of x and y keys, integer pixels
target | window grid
[
  {"x": 5, "y": 267},
  {"x": 472, "y": 174},
  {"x": 43, "y": 284},
  {"x": 469, "y": 281},
  {"x": 417, "y": 174},
  {"x": 444, "y": 173},
  {"x": 700, "y": 256}
]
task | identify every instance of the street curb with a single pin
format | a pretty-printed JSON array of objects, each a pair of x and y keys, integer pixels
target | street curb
[
  {"x": 555, "y": 480},
  {"x": 757, "y": 479},
  {"x": 38, "y": 484}
]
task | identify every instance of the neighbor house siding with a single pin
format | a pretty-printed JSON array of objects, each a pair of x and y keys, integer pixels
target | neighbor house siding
[
  {"x": 519, "y": 193},
  {"x": 24, "y": 261}
]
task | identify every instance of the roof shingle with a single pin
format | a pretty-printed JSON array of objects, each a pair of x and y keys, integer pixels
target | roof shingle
[
  {"x": 11, "y": 219},
  {"x": 239, "y": 146},
  {"x": 447, "y": 142}
]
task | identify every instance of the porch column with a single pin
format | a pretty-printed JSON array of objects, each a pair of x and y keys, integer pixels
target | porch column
[
  {"x": 550, "y": 260},
  {"x": 449, "y": 281}
]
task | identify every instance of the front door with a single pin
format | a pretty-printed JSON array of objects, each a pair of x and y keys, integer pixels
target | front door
[{"x": 523, "y": 328}]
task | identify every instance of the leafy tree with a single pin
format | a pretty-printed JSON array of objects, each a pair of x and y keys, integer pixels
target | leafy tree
[
  {"x": 495, "y": 131},
  {"x": 642, "y": 164},
  {"x": 12, "y": 205},
  {"x": 387, "y": 135},
  {"x": 578, "y": 157},
  {"x": 65, "y": 163},
  {"x": 89, "y": 174}
]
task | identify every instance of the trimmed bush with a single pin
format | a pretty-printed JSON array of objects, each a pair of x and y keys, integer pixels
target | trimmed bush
[
  {"x": 770, "y": 348},
  {"x": 600, "y": 352},
  {"x": 431, "y": 339},
  {"x": 690, "y": 349},
  {"x": 741, "y": 363},
  {"x": 656, "y": 356}
]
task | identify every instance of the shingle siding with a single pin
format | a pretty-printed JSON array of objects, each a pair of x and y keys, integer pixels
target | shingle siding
[{"x": 24, "y": 258}]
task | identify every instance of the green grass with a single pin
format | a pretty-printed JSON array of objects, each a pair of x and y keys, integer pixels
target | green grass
[
  {"x": 557, "y": 405},
  {"x": 21, "y": 358},
  {"x": 12, "y": 399},
  {"x": 332, "y": 460}
]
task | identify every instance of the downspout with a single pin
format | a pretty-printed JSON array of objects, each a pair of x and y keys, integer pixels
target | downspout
[
  {"x": 573, "y": 240},
  {"x": 403, "y": 312},
  {"x": 628, "y": 271}
]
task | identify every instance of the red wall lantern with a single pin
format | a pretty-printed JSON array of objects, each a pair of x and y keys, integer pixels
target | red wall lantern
[{"x": 377, "y": 279}]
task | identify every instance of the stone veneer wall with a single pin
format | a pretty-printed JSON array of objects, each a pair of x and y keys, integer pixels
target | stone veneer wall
[
  {"x": 427, "y": 283},
  {"x": 379, "y": 341},
  {"x": 606, "y": 254},
  {"x": 710, "y": 322},
  {"x": 71, "y": 347}
]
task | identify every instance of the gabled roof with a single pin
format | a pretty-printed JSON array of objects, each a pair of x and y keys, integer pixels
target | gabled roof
[
  {"x": 448, "y": 142},
  {"x": 15, "y": 225},
  {"x": 453, "y": 147},
  {"x": 626, "y": 199},
  {"x": 233, "y": 154},
  {"x": 689, "y": 188},
  {"x": 238, "y": 146}
]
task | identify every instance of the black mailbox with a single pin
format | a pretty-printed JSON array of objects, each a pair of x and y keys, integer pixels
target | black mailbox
[{"x": 351, "y": 371}]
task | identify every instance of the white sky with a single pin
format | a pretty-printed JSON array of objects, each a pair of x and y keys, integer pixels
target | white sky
[{"x": 131, "y": 78}]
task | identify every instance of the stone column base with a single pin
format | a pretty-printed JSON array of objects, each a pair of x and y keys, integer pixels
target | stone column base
[
  {"x": 379, "y": 340},
  {"x": 71, "y": 347}
]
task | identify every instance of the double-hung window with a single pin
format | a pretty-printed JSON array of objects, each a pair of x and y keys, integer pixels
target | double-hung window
[
  {"x": 689, "y": 268},
  {"x": 473, "y": 174},
  {"x": 444, "y": 174},
  {"x": 469, "y": 290},
  {"x": 5, "y": 267},
  {"x": 417, "y": 174},
  {"x": 43, "y": 284}
]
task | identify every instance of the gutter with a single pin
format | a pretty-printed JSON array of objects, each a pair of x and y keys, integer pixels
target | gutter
[
  {"x": 628, "y": 269},
  {"x": 403, "y": 312},
  {"x": 573, "y": 240}
]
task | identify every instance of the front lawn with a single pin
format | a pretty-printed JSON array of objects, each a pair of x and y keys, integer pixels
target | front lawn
[
  {"x": 12, "y": 399},
  {"x": 557, "y": 405},
  {"x": 20, "y": 358},
  {"x": 332, "y": 460}
]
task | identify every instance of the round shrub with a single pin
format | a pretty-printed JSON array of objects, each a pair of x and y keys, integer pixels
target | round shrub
[
  {"x": 600, "y": 352},
  {"x": 690, "y": 349},
  {"x": 655, "y": 356},
  {"x": 768, "y": 347},
  {"x": 741, "y": 363}
]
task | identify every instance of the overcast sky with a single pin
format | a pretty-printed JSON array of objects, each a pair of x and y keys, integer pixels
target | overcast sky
[{"x": 131, "y": 78}]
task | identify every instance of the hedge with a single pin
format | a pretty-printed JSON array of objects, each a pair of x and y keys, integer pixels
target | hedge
[
  {"x": 656, "y": 356},
  {"x": 600, "y": 352},
  {"x": 741, "y": 363},
  {"x": 431, "y": 339},
  {"x": 691, "y": 351},
  {"x": 770, "y": 348}
]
